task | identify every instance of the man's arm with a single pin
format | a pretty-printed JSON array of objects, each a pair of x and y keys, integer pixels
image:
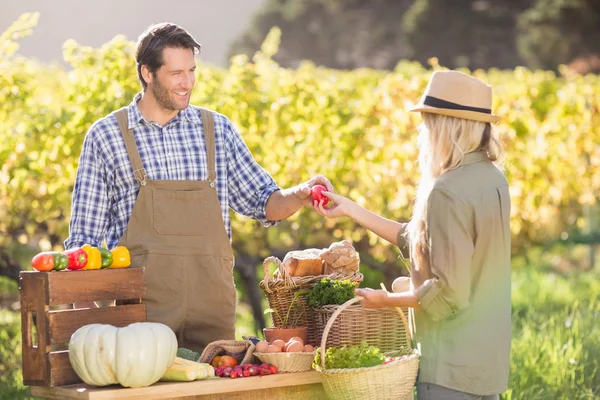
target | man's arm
[
  {"x": 253, "y": 192},
  {"x": 90, "y": 204},
  {"x": 284, "y": 203}
]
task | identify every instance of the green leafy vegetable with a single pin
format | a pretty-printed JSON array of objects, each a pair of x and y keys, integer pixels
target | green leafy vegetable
[
  {"x": 331, "y": 291},
  {"x": 351, "y": 357},
  {"x": 188, "y": 354}
]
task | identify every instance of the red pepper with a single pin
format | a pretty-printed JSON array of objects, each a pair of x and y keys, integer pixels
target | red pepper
[{"x": 77, "y": 258}]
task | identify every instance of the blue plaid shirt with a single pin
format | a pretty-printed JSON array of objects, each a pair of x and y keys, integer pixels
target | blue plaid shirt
[{"x": 105, "y": 188}]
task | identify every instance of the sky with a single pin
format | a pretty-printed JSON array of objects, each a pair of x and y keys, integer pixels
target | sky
[{"x": 214, "y": 23}]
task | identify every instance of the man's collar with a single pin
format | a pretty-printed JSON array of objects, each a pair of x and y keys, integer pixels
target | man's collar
[{"x": 135, "y": 115}]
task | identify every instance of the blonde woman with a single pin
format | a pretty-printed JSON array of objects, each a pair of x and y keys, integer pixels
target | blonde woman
[{"x": 459, "y": 240}]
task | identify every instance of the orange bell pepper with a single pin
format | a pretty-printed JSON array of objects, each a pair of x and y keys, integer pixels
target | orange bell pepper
[
  {"x": 94, "y": 257},
  {"x": 121, "y": 258}
]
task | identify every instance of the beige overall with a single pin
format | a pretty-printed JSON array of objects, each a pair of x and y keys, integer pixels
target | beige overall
[{"x": 177, "y": 232}]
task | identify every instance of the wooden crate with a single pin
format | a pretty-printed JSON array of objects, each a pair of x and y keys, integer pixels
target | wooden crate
[{"x": 45, "y": 351}]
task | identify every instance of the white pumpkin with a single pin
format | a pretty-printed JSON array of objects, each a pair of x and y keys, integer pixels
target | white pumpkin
[{"x": 134, "y": 356}]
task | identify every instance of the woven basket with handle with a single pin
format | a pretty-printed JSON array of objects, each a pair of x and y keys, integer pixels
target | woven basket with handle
[
  {"x": 387, "y": 381},
  {"x": 280, "y": 293},
  {"x": 378, "y": 326}
]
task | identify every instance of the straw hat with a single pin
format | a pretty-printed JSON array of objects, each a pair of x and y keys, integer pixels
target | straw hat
[{"x": 457, "y": 95}]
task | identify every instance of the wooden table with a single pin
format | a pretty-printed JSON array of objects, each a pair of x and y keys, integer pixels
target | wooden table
[{"x": 301, "y": 386}]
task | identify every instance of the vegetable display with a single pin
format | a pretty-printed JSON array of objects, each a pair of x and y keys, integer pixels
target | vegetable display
[
  {"x": 134, "y": 356},
  {"x": 87, "y": 257}
]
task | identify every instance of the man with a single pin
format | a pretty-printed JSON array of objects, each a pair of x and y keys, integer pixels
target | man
[{"x": 159, "y": 177}]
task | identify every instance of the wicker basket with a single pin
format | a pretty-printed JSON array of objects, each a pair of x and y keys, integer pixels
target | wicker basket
[
  {"x": 280, "y": 292},
  {"x": 378, "y": 326},
  {"x": 288, "y": 362},
  {"x": 388, "y": 381}
]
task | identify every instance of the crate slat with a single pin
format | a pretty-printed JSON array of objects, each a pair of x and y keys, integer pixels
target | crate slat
[
  {"x": 61, "y": 372},
  {"x": 102, "y": 284},
  {"x": 34, "y": 293},
  {"x": 64, "y": 322}
]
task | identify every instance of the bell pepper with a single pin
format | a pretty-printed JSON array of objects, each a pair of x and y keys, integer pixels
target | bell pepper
[
  {"x": 121, "y": 258},
  {"x": 43, "y": 261},
  {"x": 94, "y": 259},
  {"x": 107, "y": 257},
  {"x": 61, "y": 261},
  {"x": 77, "y": 258}
]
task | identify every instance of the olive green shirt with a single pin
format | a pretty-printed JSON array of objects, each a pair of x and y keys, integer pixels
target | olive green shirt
[{"x": 463, "y": 326}]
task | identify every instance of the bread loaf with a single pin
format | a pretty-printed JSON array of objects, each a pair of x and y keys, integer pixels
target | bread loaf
[
  {"x": 303, "y": 262},
  {"x": 340, "y": 258}
]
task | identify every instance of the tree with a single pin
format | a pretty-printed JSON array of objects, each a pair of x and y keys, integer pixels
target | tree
[
  {"x": 348, "y": 34},
  {"x": 343, "y": 34},
  {"x": 560, "y": 31}
]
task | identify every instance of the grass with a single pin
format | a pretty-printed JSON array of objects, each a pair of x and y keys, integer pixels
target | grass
[{"x": 556, "y": 334}]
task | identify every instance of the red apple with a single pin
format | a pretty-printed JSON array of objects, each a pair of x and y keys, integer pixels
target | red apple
[{"x": 316, "y": 194}]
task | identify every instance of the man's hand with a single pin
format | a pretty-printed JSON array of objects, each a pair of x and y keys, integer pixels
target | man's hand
[{"x": 302, "y": 191}]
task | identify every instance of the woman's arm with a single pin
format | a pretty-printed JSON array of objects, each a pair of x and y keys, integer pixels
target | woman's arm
[
  {"x": 382, "y": 227},
  {"x": 380, "y": 298}
]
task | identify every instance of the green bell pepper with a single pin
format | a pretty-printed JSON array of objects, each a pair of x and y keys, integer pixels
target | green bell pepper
[
  {"x": 61, "y": 261},
  {"x": 107, "y": 257}
]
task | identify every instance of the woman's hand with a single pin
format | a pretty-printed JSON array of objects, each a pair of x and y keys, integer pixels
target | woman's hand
[
  {"x": 341, "y": 207},
  {"x": 370, "y": 298}
]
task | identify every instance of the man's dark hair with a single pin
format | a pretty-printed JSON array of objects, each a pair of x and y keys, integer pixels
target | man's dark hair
[{"x": 150, "y": 45}]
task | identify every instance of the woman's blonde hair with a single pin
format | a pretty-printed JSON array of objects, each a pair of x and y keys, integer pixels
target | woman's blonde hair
[{"x": 443, "y": 143}]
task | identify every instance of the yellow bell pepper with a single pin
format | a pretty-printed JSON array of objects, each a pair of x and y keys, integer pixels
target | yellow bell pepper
[
  {"x": 121, "y": 257},
  {"x": 94, "y": 258}
]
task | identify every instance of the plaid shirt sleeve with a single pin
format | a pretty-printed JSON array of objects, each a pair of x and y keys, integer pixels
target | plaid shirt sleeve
[
  {"x": 249, "y": 185},
  {"x": 91, "y": 201}
]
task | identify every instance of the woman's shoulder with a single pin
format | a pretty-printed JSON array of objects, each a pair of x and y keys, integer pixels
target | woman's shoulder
[{"x": 471, "y": 180}]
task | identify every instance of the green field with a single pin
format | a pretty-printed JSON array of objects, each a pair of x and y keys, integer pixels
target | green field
[{"x": 556, "y": 333}]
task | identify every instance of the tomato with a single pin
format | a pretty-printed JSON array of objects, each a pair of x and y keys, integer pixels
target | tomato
[
  {"x": 316, "y": 194},
  {"x": 43, "y": 261},
  {"x": 226, "y": 361}
]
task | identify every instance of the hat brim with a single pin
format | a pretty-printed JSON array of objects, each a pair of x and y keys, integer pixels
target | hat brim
[{"x": 465, "y": 114}]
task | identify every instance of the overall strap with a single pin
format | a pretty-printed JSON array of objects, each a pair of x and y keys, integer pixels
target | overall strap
[
  {"x": 132, "y": 151},
  {"x": 209, "y": 136}
]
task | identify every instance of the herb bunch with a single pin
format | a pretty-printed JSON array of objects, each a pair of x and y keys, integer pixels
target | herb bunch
[{"x": 331, "y": 291}]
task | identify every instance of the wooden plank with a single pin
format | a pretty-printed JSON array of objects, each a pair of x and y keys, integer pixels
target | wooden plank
[
  {"x": 302, "y": 392},
  {"x": 34, "y": 292},
  {"x": 103, "y": 284},
  {"x": 179, "y": 390},
  {"x": 61, "y": 372},
  {"x": 63, "y": 323}
]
